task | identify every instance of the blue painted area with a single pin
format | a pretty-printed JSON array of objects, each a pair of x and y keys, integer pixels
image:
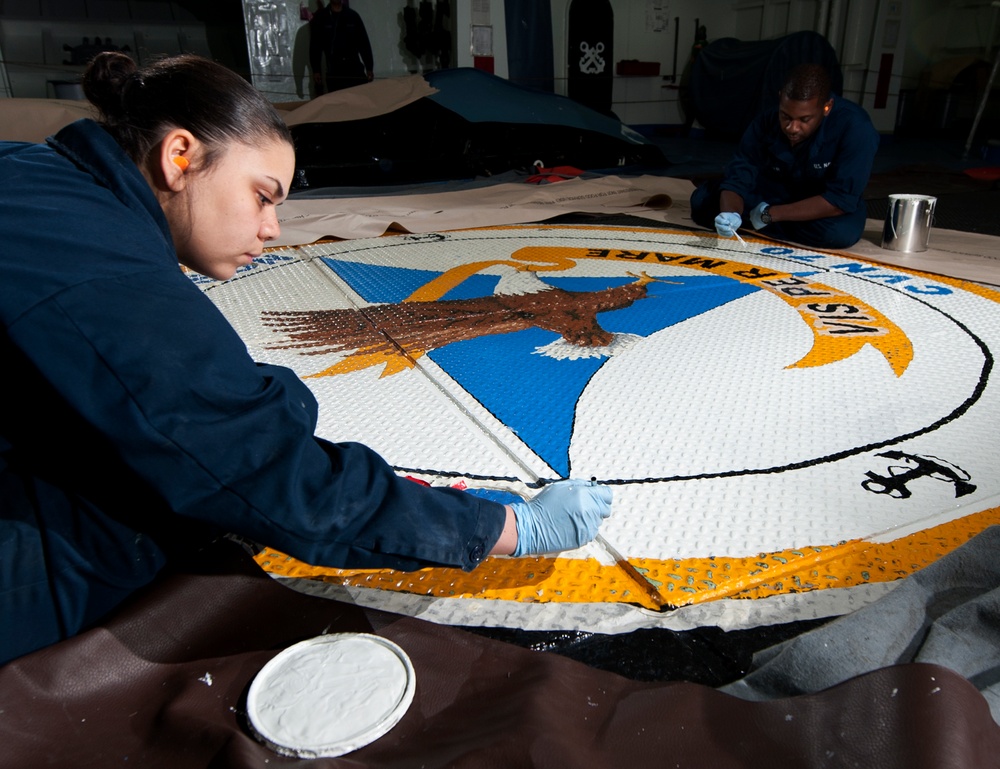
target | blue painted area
[
  {"x": 533, "y": 394},
  {"x": 470, "y": 288},
  {"x": 496, "y": 495},
  {"x": 379, "y": 284}
]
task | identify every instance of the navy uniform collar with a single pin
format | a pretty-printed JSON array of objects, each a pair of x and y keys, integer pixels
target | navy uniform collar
[{"x": 94, "y": 151}]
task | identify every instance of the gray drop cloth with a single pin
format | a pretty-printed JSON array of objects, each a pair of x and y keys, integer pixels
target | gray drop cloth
[{"x": 947, "y": 614}]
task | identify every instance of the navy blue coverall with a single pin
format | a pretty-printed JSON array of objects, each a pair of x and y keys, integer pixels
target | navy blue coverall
[
  {"x": 134, "y": 420},
  {"x": 835, "y": 162}
]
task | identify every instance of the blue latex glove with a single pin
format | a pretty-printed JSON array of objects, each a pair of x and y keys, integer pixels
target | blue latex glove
[
  {"x": 562, "y": 516},
  {"x": 755, "y": 219},
  {"x": 727, "y": 223}
]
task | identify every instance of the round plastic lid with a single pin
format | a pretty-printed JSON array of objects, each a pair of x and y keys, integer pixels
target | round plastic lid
[{"x": 330, "y": 695}]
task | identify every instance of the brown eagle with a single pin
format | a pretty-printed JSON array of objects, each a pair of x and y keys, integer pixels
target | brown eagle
[{"x": 397, "y": 334}]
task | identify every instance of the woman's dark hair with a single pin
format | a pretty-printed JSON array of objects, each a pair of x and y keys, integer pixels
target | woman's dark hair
[{"x": 139, "y": 106}]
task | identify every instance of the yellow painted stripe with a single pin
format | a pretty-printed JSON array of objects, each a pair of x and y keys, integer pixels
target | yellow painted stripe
[{"x": 679, "y": 582}]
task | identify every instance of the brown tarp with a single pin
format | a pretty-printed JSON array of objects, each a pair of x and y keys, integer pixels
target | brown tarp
[{"x": 163, "y": 682}]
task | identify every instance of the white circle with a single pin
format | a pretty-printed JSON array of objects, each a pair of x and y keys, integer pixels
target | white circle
[{"x": 330, "y": 695}]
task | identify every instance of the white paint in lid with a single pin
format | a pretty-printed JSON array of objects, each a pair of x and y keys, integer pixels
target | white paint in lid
[{"x": 330, "y": 695}]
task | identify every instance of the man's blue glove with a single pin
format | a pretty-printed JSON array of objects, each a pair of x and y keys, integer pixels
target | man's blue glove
[
  {"x": 760, "y": 217},
  {"x": 727, "y": 223},
  {"x": 563, "y": 516}
]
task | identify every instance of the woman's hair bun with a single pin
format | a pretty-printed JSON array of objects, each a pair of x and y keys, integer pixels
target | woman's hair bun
[
  {"x": 106, "y": 78},
  {"x": 215, "y": 104}
]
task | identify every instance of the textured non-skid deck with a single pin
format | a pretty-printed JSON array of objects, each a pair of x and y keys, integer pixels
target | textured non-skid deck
[{"x": 786, "y": 431}]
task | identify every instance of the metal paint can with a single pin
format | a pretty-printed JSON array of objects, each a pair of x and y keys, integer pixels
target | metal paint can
[{"x": 908, "y": 223}]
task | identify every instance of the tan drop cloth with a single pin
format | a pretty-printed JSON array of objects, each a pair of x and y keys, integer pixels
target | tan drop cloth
[
  {"x": 31, "y": 120},
  {"x": 305, "y": 220},
  {"x": 379, "y": 97},
  {"x": 662, "y": 201}
]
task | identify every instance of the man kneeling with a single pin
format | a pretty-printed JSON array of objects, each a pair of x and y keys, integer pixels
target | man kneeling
[{"x": 800, "y": 171}]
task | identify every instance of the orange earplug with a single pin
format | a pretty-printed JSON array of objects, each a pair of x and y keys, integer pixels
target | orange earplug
[{"x": 181, "y": 162}]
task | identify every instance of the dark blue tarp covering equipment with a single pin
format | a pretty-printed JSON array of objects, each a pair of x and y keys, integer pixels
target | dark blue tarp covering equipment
[
  {"x": 733, "y": 80},
  {"x": 476, "y": 125}
]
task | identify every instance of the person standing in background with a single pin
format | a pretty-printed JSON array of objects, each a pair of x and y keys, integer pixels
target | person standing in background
[{"x": 338, "y": 35}]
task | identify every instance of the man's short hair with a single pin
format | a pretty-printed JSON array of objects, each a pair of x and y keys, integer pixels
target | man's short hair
[{"x": 807, "y": 81}]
